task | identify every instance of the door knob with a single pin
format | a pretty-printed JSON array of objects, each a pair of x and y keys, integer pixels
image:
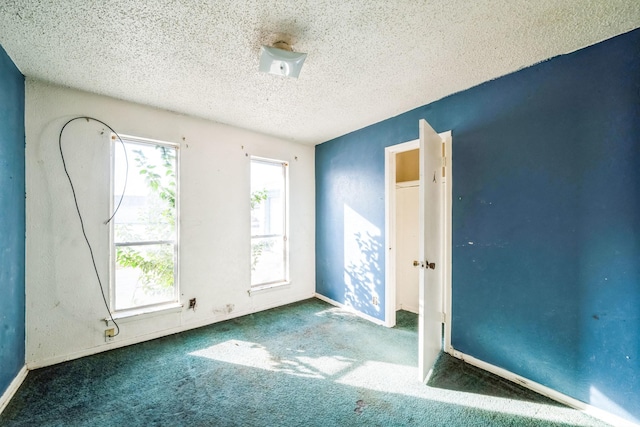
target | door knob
[{"x": 418, "y": 264}]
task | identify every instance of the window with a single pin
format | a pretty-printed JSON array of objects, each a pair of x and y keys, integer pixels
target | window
[
  {"x": 269, "y": 245},
  {"x": 144, "y": 230}
]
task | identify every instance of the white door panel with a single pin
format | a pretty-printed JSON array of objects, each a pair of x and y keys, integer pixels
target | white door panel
[{"x": 430, "y": 249}]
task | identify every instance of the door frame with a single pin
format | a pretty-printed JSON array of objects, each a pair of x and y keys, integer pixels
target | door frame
[{"x": 390, "y": 232}]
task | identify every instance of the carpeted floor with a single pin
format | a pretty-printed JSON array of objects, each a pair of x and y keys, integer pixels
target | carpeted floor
[{"x": 306, "y": 364}]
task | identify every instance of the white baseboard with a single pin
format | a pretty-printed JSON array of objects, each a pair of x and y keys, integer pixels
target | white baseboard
[
  {"x": 13, "y": 387},
  {"x": 158, "y": 334},
  {"x": 351, "y": 310},
  {"x": 545, "y": 391}
]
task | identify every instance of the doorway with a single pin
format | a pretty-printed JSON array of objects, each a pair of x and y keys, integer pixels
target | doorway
[
  {"x": 407, "y": 191},
  {"x": 395, "y": 295}
]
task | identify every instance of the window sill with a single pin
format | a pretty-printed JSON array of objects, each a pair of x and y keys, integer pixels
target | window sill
[
  {"x": 268, "y": 287},
  {"x": 144, "y": 312}
]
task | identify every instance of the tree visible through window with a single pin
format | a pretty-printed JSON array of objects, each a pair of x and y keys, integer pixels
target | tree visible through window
[
  {"x": 269, "y": 246},
  {"x": 144, "y": 229}
]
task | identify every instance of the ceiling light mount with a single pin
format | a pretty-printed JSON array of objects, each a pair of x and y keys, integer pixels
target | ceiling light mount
[
  {"x": 281, "y": 60},
  {"x": 284, "y": 45}
]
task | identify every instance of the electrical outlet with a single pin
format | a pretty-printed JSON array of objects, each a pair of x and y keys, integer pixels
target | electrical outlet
[
  {"x": 375, "y": 301},
  {"x": 109, "y": 334}
]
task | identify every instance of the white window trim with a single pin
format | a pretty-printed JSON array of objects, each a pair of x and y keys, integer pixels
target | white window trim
[
  {"x": 271, "y": 286},
  {"x": 150, "y": 308},
  {"x": 131, "y": 314}
]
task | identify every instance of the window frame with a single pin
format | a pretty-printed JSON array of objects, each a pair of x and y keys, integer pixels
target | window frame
[
  {"x": 143, "y": 308},
  {"x": 285, "y": 227}
]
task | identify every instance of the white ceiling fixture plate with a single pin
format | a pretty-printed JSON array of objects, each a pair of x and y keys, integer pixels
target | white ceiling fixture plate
[{"x": 281, "y": 60}]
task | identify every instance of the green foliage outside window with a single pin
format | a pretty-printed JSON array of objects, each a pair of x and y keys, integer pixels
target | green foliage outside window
[
  {"x": 156, "y": 265},
  {"x": 257, "y": 197}
]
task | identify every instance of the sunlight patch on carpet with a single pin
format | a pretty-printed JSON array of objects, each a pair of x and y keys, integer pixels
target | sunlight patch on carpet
[
  {"x": 377, "y": 376},
  {"x": 557, "y": 414},
  {"x": 255, "y": 355},
  {"x": 402, "y": 380}
]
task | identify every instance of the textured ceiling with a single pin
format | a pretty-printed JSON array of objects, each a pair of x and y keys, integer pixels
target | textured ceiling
[{"x": 367, "y": 60}]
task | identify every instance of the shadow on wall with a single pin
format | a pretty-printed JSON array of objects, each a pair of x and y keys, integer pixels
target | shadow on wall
[{"x": 362, "y": 264}]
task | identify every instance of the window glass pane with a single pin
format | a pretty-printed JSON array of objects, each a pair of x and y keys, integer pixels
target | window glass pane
[
  {"x": 269, "y": 256},
  {"x": 148, "y": 209},
  {"x": 144, "y": 275},
  {"x": 144, "y": 227},
  {"x": 268, "y": 198},
  {"x": 267, "y": 260}
]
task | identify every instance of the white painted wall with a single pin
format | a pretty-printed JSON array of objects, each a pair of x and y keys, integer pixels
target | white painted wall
[
  {"x": 64, "y": 306},
  {"x": 407, "y": 276}
]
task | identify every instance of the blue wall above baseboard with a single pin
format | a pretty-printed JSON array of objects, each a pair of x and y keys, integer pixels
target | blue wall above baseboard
[
  {"x": 12, "y": 222},
  {"x": 546, "y": 185}
]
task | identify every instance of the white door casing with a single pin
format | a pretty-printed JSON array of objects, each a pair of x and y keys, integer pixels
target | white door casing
[{"x": 390, "y": 227}]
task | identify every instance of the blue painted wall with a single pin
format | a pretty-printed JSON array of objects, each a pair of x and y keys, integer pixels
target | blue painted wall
[
  {"x": 546, "y": 184},
  {"x": 12, "y": 221}
]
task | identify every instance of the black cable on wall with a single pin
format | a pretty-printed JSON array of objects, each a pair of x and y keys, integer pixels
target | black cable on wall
[{"x": 75, "y": 200}]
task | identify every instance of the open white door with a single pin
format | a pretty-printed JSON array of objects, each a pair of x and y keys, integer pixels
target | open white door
[{"x": 430, "y": 249}]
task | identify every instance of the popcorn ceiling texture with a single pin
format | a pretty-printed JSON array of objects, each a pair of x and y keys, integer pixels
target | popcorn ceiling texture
[{"x": 367, "y": 60}]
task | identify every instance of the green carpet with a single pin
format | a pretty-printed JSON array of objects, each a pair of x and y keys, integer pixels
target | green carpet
[{"x": 306, "y": 364}]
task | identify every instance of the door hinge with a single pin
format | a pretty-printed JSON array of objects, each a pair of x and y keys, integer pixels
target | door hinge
[{"x": 444, "y": 161}]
